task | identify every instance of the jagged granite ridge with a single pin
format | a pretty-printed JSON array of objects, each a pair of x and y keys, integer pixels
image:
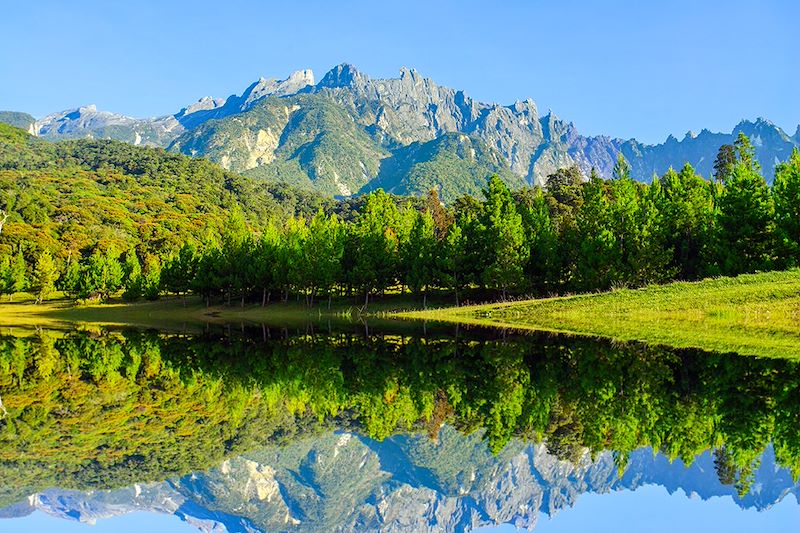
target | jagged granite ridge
[{"x": 386, "y": 116}]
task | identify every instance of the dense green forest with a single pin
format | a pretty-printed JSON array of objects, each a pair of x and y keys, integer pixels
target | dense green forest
[
  {"x": 97, "y": 409},
  {"x": 96, "y": 218}
]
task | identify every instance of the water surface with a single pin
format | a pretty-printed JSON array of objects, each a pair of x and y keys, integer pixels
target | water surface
[{"x": 363, "y": 428}]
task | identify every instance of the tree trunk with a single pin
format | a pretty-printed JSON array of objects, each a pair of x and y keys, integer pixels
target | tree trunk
[{"x": 263, "y": 297}]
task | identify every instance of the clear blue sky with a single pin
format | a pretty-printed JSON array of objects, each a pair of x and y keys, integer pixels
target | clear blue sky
[{"x": 625, "y": 68}]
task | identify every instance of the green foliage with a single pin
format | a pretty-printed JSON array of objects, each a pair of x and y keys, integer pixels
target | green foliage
[
  {"x": 224, "y": 236},
  {"x": 786, "y": 194},
  {"x": 19, "y": 120},
  {"x": 506, "y": 249},
  {"x": 453, "y": 164},
  {"x": 745, "y": 223},
  {"x": 101, "y": 275},
  {"x": 45, "y": 274},
  {"x": 96, "y": 410}
]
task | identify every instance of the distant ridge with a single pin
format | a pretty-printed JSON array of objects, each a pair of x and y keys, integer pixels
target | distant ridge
[{"x": 349, "y": 132}]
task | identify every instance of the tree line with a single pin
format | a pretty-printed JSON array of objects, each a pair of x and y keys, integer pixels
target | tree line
[{"x": 573, "y": 235}]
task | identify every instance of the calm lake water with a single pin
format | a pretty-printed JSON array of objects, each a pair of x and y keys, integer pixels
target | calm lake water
[{"x": 389, "y": 428}]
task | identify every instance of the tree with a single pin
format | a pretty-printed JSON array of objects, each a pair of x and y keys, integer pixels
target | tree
[
  {"x": 16, "y": 279},
  {"x": 452, "y": 260},
  {"x": 506, "y": 249},
  {"x": 180, "y": 270},
  {"x": 622, "y": 170},
  {"x": 131, "y": 276},
  {"x": 541, "y": 269},
  {"x": 723, "y": 164},
  {"x": 687, "y": 210},
  {"x": 442, "y": 217},
  {"x": 322, "y": 249},
  {"x": 564, "y": 196},
  {"x": 745, "y": 224},
  {"x": 375, "y": 240},
  {"x": 45, "y": 274},
  {"x": 100, "y": 276},
  {"x": 419, "y": 255},
  {"x": 70, "y": 279},
  {"x": 3, "y": 218},
  {"x": 745, "y": 153},
  {"x": 786, "y": 194},
  {"x": 595, "y": 243}
]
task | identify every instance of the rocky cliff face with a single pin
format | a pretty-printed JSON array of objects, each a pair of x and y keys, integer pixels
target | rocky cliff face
[
  {"x": 341, "y": 482},
  {"x": 376, "y": 119}
]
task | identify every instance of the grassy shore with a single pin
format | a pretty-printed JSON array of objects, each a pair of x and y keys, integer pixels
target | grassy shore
[
  {"x": 176, "y": 314},
  {"x": 756, "y": 314}
]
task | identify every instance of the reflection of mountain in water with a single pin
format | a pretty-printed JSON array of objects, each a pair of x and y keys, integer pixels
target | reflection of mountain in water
[{"x": 405, "y": 483}]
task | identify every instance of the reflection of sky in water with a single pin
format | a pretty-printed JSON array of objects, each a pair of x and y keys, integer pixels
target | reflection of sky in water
[{"x": 649, "y": 509}]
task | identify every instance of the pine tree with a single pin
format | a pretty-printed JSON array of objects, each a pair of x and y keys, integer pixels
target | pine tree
[
  {"x": 131, "y": 276},
  {"x": 419, "y": 255},
  {"x": 745, "y": 224},
  {"x": 786, "y": 193},
  {"x": 723, "y": 164},
  {"x": 596, "y": 249},
  {"x": 506, "y": 250},
  {"x": 621, "y": 170},
  {"x": 45, "y": 274},
  {"x": 541, "y": 239}
]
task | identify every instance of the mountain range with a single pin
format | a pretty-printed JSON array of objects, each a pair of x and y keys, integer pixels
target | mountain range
[
  {"x": 343, "y": 482},
  {"x": 349, "y": 133}
]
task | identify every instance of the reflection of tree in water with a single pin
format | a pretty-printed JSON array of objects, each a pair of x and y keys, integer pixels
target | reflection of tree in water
[{"x": 98, "y": 409}]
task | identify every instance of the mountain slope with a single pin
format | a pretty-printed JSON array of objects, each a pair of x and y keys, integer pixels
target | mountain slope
[
  {"x": 331, "y": 136},
  {"x": 303, "y": 140},
  {"x": 467, "y": 162},
  {"x": 69, "y": 196},
  {"x": 22, "y": 121}
]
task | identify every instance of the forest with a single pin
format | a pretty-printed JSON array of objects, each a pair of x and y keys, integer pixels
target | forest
[{"x": 96, "y": 219}]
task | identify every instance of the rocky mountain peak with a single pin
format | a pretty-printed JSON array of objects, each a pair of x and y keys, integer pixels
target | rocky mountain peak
[
  {"x": 204, "y": 104},
  {"x": 341, "y": 76},
  {"x": 265, "y": 87},
  {"x": 409, "y": 74}
]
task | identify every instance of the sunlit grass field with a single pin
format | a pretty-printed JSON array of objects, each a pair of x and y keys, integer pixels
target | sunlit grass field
[{"x": 754, "y": 314}]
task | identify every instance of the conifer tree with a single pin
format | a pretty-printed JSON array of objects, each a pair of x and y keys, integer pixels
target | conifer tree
[
  {"x": 507, "y": 251},
  {"x": 786, "y": 192}
]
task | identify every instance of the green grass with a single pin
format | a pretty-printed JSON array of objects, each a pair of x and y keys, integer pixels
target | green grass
[
  {"x": 753, "y": 314},
  {"x": 171, "y": 313}
]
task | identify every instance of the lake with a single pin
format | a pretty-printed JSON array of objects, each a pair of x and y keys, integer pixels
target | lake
[{"x": 389, "y": 427}]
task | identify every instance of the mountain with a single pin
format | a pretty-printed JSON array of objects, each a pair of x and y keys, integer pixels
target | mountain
[
  {"x": 341, "y": 482},
  {"x": 22, "y": 121},
  {"x": 349, "y": 132}
]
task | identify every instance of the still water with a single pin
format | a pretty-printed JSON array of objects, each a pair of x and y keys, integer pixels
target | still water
[{"x": 389, "y": 429}]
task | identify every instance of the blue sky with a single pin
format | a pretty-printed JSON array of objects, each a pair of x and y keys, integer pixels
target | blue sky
[{"x": 624, "y": 68}]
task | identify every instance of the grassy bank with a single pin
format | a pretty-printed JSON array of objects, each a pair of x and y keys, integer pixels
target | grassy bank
[
  {"x": 177, "y": 314},
  {"x": 757, "y": 314}
]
